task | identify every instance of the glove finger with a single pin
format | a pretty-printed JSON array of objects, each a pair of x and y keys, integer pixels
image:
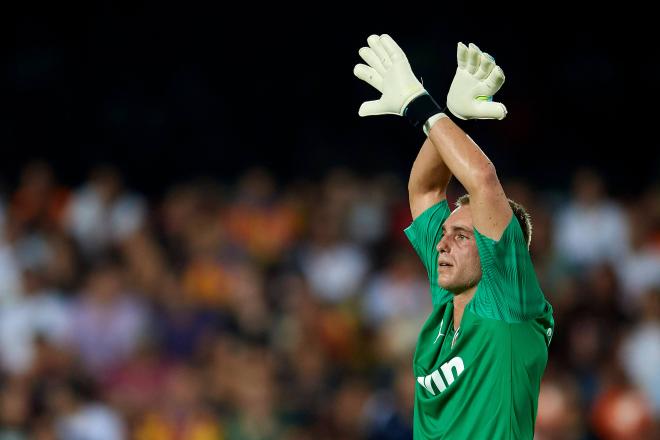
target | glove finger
[
  {"x": 473, "y": 58},
  {"x": 375, "y": 44},
  {"x": 491, "y": 110},
  {"x": 393, "y": 50},
  {"x": 370, "y": 57},
  {"x": 461, "y": 55},
  {"x": 495, "y": 80},
  {"x": 370, "y": 76},
  {"x": 371, "y": 108},
  {"x": 486, "y": 65}
]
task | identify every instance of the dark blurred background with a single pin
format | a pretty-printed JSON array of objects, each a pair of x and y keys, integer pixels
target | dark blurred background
[
  {"x": 200, "y": 238},
  {"x": 178, "y": 91}
]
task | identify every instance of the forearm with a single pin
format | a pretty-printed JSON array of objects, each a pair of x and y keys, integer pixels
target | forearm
[
  {"x": 428, "y": 180},
  {"x": 429, "y": 172},
  {"x": 462, "y": 156}
]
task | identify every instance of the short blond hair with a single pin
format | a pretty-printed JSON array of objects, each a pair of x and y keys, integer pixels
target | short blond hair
[{"x": 519, "y": 212}]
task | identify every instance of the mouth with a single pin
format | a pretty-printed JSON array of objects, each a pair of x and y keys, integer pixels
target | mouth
[{"x": 444, "y": 265}]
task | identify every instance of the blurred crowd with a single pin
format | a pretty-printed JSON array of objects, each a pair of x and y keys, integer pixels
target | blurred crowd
[{"x": 256, "y": 310}]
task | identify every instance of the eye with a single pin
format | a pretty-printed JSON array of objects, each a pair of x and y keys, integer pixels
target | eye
[{"x": 461, "y": 237}]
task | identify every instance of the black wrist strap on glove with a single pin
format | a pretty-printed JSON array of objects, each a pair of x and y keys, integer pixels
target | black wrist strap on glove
[{"x": 420, "y": 109}]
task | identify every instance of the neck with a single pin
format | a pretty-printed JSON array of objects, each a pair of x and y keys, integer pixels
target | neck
[{"x": 460, "y": 301}]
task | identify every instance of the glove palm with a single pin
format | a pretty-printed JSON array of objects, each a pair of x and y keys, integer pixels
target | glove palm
[
  {"x": 476, "y": 80},
  {"x": 389, "y": 72}
]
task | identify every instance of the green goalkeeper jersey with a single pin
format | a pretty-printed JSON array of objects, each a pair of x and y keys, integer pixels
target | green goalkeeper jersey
[{"x": 481, "y": 382}]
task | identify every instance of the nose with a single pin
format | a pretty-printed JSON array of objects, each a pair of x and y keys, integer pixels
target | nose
[{"x": 442, "y": 246}]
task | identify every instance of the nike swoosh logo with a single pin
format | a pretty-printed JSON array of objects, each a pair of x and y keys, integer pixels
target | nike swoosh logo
[{"x": 439, "y": 332}]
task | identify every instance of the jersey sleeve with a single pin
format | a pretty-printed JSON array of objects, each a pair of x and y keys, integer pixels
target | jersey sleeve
[
  {"x": 424, "y": 234},
  {"x": 509, "y": 289}
]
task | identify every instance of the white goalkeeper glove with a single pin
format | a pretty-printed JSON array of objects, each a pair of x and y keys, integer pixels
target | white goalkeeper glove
[
  {"x": 477, "y": 79},
  {"x": 389, "y": 72}
]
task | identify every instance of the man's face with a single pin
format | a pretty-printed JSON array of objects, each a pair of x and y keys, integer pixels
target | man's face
[{"x": 459, "y": 266}]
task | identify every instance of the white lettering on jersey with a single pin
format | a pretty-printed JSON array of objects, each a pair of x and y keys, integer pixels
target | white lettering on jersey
[
  {"x": 437, "y": 378},
  {"x": 456, "y": 363}
]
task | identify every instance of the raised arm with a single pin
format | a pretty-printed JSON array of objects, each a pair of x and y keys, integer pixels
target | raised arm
[
  {"x": 491, "y": 212},
  {"x": 470, "y": 96},
  {"x": 477, "y": 77}
]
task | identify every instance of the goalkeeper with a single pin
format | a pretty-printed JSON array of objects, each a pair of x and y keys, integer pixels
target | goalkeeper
[{"x": 481, "y": 353}]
